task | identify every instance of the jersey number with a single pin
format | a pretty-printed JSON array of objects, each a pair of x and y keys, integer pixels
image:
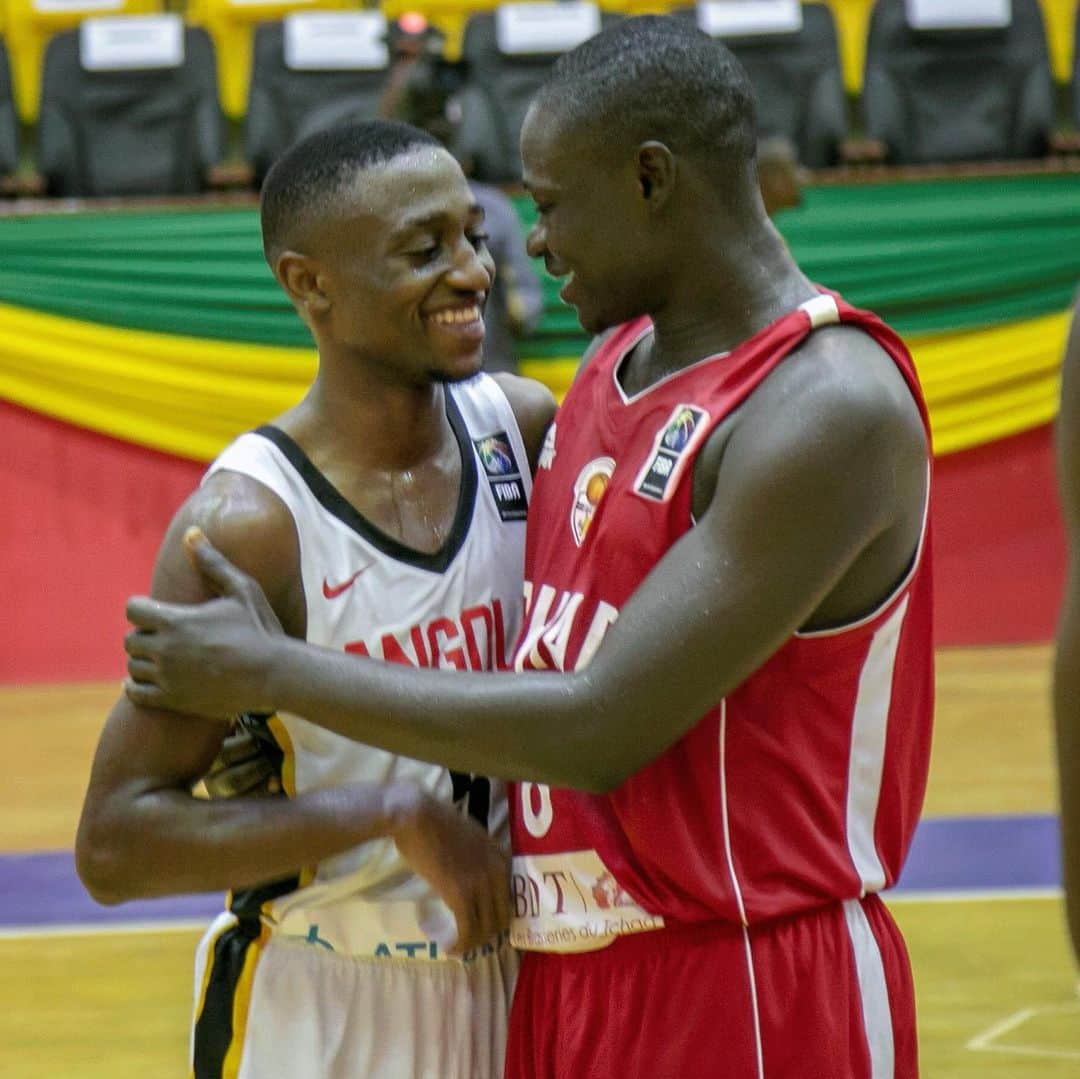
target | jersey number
[
  {"x": 536, "y": 811},
  {"x": 475, "y": 793}
]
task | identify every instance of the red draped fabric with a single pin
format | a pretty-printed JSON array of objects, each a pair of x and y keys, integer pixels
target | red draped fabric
[{"x": 85, "y": 514}]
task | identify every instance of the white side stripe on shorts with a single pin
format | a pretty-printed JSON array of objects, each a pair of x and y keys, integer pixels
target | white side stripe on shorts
[{"x": 873, "y": 991}]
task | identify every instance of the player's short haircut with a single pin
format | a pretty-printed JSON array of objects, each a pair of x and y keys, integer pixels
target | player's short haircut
[
  {"x": 304, "y": 181},
  {"x": 656, "y": 77}
]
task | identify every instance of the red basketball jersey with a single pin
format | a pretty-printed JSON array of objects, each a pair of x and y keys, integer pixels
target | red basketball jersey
[{"x": 803, "y": 786}]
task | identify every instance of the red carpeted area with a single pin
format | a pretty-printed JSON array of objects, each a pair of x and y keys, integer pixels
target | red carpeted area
[{"x": 86, "y": 513}]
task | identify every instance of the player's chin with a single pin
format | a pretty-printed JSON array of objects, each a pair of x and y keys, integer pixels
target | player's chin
[
  {"x": 459, "y": 367},
  {"x": 594, "y": 321}
]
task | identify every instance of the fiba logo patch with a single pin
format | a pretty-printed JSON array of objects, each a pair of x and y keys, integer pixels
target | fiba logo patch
[
  {"x": 679, "y": 429},
  {"x": 503, "y": 475},
  {"x": 496, "y": 455},
  {"x": 589, "y": 489},
  {"x": 685, "y": 428}
]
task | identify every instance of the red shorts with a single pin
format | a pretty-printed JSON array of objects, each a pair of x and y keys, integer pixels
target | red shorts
[{"x": 824, "y": 995}]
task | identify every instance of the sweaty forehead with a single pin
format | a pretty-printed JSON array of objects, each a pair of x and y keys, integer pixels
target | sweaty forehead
[
  {"x": 554, "y": 150},
  {"x": 425, "y": 182},
  {"x": 543, "y": 148}
]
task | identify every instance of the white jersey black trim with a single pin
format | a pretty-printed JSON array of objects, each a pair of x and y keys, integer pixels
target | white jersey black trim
[{"x": 335, "y": 503}]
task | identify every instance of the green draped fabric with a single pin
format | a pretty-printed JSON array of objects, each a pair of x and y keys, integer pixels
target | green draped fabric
[{"x": 934, "y": 256}]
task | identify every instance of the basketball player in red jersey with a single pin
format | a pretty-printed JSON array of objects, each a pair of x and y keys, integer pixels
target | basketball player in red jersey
[
  {"x": 1067, "y": 660},
  {"x": 721, "y": 720}
]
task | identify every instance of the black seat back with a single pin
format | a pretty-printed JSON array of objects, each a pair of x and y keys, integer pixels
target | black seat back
[
  {"x": 286, "y": 104},
  {"x": 941, "y": 94},
  {"x": 150, "y": 131}
]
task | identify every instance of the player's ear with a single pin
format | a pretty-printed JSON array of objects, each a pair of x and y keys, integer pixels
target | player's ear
[
  {"x": 656, "y": 169},
  {"x": 300, "y": 277}
]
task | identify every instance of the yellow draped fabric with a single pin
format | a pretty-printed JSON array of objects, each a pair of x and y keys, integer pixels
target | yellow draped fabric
[
  {"x": 980, "y": 385},
  {"x": 189, "y": 396}
]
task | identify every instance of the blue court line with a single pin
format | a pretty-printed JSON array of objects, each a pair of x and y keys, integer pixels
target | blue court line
[
  {"x": 949, "y": 854},
  {"x": 983, "y": 853},
  {"x": 42, "y": 889}
]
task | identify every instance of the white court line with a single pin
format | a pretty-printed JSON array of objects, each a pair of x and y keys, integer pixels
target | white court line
[
  {"x": 17, "y": 932},
  {"x": 981, "y": 1041},
  {"x": 987, "y": 1041}
]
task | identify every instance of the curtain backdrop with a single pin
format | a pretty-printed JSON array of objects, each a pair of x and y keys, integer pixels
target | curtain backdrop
[
  {"x": 125, "y": 334},
  {"x": 167, "y": 329}
]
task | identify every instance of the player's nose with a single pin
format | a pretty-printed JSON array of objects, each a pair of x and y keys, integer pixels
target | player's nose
[
  {"x": 473, "y": 270},
  {"x": 536, "y": 241}
]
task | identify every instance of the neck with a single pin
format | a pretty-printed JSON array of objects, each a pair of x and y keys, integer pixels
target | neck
[
  {"x": 383, "y": 423},
  {"x": 731, "y": 287}
]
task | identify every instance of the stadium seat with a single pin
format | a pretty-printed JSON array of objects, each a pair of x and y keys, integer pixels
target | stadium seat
[
  {"x": 790, "y": 52},
  {"x": 958, "y": 81},
  {"x": 231, "y": 26},
  {"x": 9, "y": 125},
  {"x": 507, "y": 55},
  {"x": 129, "y": 107},
  {"x": 310, "y": 70},
  {"x": 29, "y": 25}
]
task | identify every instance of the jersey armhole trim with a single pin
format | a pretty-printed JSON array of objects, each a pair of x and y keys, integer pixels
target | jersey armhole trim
[{"x": 894, "y": 596}]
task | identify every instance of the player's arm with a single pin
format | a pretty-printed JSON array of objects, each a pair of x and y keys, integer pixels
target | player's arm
[
  {"x": 142, "y": 833},
  {"x": 815, "y": 492},
  {"x": 1067, "y": 656}
]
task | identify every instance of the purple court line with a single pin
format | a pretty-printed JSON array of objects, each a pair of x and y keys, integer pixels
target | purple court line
[
  {"x": 984, "y": 853},
  {"x": 949, "y": 854},
  {"x": 42, "y": 889}
]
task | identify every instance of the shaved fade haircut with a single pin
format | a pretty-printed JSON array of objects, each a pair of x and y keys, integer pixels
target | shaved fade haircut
[
  {"x": 656, "y": 77},
  {"x": 304, "y": 181}
]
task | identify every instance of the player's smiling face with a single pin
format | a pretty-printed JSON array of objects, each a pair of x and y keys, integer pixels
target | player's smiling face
[
  {"x": 589, "y": 229},
  {"x": 407, "y": 268}
]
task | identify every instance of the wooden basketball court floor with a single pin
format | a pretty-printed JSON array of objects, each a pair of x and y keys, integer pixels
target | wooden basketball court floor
[{"x": 996, "y": 985}]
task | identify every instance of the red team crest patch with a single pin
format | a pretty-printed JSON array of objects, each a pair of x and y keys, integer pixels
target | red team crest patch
[
  {"x": 589, "y": 489},
  {"x": 672, "y": 448}
]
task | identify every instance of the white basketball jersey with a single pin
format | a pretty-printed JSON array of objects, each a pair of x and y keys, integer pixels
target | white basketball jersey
[{"x": 366, "y": 593}]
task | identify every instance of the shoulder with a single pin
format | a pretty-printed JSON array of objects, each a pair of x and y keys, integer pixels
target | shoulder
[
  {"x": 244, "y": 520},
  {"x": 841, "y": 386},
  {"x": 836, "y": 417},
  {"x": 534, "y": 408}
]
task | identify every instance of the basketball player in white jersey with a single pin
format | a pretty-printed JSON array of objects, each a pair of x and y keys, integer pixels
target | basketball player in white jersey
[{"x": 384, "y": 515}]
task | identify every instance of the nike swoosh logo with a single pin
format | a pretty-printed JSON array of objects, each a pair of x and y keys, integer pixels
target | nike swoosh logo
[{"x": 333, "y": 591}]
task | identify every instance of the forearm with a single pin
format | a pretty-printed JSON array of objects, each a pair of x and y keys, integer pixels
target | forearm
[
  {"x": 545, "y": 727},
  {"x": 167, "y": 842}
]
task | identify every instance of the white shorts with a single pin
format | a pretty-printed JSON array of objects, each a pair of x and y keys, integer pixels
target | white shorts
[{"x": 270, "y": 1006}]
